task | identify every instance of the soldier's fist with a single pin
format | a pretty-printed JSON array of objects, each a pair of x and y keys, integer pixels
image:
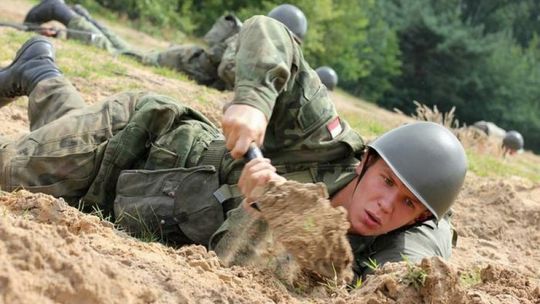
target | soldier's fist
[{"x": 242, "y": 125}]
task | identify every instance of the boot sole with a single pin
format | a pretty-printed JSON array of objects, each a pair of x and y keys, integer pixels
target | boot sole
[
  {"x": 23, "y": 49},
  {"x": 7, "y": 100}
]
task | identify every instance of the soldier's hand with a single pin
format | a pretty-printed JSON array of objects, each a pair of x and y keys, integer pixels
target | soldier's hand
[
  {"x": 48, "y": 31},
  {"x": 242, "y": 125},
  {"x": 255, "y": 175}
]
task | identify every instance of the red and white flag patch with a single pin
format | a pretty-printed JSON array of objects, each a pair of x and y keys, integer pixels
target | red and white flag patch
[{"x": 334, "y": 127}]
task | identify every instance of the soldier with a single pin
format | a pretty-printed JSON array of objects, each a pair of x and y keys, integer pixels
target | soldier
[
  {"x": 199, "y": 64},
  {"x": 157, "y": 164},
  {"x": 328, "y": 77},
  {"x": 490, "y": 129},
  {"x": 212, "y": 66},
  {"x": 293, "y": 18},
  {"x": 512, "y": 142}
]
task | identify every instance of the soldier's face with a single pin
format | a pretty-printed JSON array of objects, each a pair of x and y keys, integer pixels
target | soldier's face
[{"x": 381, "y": 202}]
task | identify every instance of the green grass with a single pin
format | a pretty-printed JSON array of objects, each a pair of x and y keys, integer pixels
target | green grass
[
  {"x": 79, "y": 60},
  {"x": 492, "y": 166},
  {"x": 481, "y": 164},
  {"x": 470, "y": 278},
  {"x": 166, "y": 72},
  {"x": 365, "y": 127},
  {"x": 415, "y": 275},
  {"x": 115, "y": 19},
  {"x": 11, "y": 42}
]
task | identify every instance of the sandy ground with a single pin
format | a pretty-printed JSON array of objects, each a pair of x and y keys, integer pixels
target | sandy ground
[{"x": 52, "y": 253}]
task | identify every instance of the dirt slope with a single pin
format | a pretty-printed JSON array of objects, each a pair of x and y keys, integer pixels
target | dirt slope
[{"x": 52, "y": 253}]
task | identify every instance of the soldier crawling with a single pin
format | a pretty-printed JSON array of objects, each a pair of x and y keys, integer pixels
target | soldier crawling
[
  {"x": 212, "y": 66},
  {"x": 156, "y": 164}
]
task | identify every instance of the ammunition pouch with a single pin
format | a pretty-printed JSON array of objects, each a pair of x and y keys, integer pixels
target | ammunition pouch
[{"x": 176, "y": 205}]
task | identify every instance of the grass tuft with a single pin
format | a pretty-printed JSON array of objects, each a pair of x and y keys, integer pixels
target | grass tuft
[{"x": 415, "y": 275}]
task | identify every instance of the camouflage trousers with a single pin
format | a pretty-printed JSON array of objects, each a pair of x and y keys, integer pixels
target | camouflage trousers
[
  {"x": 76, "y": 150},
  {"x": 52, "y": 158},
  {"x": 189, "y": 59}
]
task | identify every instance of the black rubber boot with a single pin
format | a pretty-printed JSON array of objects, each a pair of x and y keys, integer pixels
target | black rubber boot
[
  {"x": 49, "y": 10},
  {"x": 33, "y": 63}
]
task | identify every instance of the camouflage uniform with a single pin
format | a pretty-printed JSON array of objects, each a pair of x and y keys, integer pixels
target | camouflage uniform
[
  {"x": 213, "y": 66},
  {"x": 162, "y": 166}
]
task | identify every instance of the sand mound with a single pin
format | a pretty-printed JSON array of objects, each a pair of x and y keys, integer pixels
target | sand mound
[
  {"x": 500, "y": 285},
  {"x": 497, "y": 221},
  {"x": 433, "y": 281},
  {"x": 52, "y": 253},
  {"x": 302, "y": 219}
]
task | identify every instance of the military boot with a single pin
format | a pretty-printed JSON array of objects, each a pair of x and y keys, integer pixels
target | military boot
[
  {"x": 49, "y": 10},
  {"x": 82, "y": 11},
  {"x": 33, "y": 63}
]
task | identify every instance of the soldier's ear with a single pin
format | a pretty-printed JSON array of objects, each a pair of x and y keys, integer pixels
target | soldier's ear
[{"x": 426, "y": 215}]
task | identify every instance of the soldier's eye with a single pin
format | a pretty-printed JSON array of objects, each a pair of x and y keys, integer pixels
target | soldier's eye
[
  {"x": 409, "y": 203},
  {"x": 388, "y": 180}
]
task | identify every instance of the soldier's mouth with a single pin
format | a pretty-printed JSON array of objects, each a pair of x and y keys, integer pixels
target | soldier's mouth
[{"x": 375, "y": 220}]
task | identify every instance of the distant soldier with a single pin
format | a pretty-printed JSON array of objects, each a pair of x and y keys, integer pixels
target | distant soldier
[
  {"x": 198, "y": 63},
  {"x": 328, "y": 77},
  {"x": 212, "y": 66},
  {"x": 293, "y": 18},
  {"x": 512, "y": 142},
  {"x": 490, "y": 129}
]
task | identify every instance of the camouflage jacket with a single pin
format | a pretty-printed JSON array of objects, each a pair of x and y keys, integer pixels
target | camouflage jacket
[
  {"x": 305, "y": 138},
  {"x": 304, "y": 129}
]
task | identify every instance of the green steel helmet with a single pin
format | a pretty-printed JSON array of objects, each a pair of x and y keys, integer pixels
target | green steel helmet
[
  {"x": 513, "y": 140},
  {"x": 428, "y": 159},
  {"x": 292, "y": 17},
  {"x": 328, "y": 77}
]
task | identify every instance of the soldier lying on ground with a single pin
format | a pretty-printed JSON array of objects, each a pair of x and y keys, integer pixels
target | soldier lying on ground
[
  {"x": 512, "y": 143},
  {"x": 147, "y": 155},
  {"x": 212, "y": 66}
]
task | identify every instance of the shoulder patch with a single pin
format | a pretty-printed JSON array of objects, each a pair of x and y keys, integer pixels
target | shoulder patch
[{"x": 334, "y": 127}]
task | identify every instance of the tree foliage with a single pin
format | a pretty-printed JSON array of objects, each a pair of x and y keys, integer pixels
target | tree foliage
[{"x": 466, "y": 54}]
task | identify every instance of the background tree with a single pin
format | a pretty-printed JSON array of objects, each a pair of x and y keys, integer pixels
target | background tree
[{"x": 453, "y": 53}]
